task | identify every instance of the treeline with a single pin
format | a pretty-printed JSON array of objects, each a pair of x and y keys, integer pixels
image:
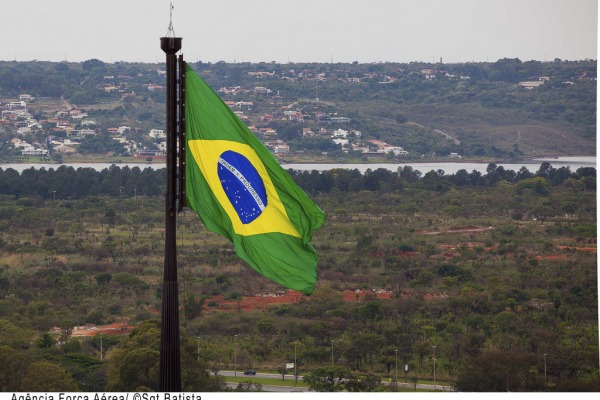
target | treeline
[
  {"x": 73, "y": 80},
  {"x": 383, "y": 180},
  {"x": 66, "y": 182},
  {"x": 77, "y": 82}
]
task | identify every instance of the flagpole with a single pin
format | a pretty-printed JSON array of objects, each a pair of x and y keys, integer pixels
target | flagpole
[{"x": 170, "y": 360}]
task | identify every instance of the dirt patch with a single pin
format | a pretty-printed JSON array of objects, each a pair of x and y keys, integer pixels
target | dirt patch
[
  {"x": 396, "y": 252},
  {"x": 407, "y": 253},
  {"x": 591, "y": 250},
  {"x": 259, "y": 301},
  {"x": 263, "y": 301},
  {"x": 553, "y": 257},
  {"x": 457, "y": 229},
  {"x": 359, "y": 295},
  {"x": 435, "y": 296},
  {"x": 566, "y": 253},
  {"x": 93, "y": 330}
]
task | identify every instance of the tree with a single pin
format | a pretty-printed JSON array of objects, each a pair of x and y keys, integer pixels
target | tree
[
  {"x": 506, "y": 69},
  {"x": 497, "y": 371},
  {"x": 12, "y": 335},
  {"x": 291, "y": 132},
  {"x": 401, "y": 118},
  {"x": 46, "y": 341},
  {"x": 542, "y": 211},
  {"x": 13, "y": 367},
  {"x": 138, "y": 367},
  {"x": 103, "y": 278},
  {"x": 283, "y": 371},
  {"x": 92, "y": 63},
  {"x": 328, "y": 379},
  {"x": 369, "y": 383},
  {"x": 135, "y": 363},
  {"x": 43, "y": 376}
]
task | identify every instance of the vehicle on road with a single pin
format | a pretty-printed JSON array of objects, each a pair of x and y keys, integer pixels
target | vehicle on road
[{"x": 250, "y": 372}]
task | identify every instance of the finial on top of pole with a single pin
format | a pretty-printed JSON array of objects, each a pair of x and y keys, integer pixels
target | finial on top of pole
[
  {"x": 170, "y": 44},
  {"x": 170, "y": 30}
]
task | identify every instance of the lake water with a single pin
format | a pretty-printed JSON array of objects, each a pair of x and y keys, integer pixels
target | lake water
[{"x": 449, "y": 168}]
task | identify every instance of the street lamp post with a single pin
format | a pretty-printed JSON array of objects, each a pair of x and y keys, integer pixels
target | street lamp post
[
  {"x": 235, "y": 356},
  {"x": 198, "y": 350},
  {"x": 332, "y": 340},
  {"x": 434, "y": 387},
  {"x": 295, "y": 365},
  {"x": 545, "y": 374},
  {"x": 396, "y": 368}
]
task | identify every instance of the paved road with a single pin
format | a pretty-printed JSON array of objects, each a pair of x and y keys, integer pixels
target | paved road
[
  {"x": 289, "y": 377},
  {"x": 275, "y": 388},
  {"x": 266, "y": 388},
  {"x": 427, "y": 386}
]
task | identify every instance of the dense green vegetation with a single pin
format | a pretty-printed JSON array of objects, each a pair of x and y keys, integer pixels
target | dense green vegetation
[{"x": 497, "y": 271}]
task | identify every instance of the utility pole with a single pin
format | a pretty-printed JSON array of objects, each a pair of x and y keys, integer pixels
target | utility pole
[
  {"x": 295, "y": 364},
  {"x": 396, "y": 369},
  {"x": 434, "y": 387},
  {"x": 198, "y": 349},
  {"x": 235, "y": 356},
  {"x": 545, "y": 374},
  {"x": 332, "y": 341}
]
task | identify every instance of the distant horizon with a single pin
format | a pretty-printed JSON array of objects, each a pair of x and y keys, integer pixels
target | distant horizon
[{"x": 296, "y": 62}]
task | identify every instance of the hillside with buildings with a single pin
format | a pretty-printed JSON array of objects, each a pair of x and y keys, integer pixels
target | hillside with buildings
[{"x": 354, "y": 112}]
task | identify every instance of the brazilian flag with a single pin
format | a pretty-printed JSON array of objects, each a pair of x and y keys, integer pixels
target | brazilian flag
[{"x": 240, "y": 191}]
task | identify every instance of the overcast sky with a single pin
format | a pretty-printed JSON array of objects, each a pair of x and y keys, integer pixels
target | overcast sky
[{"x": 301, "y": 31}]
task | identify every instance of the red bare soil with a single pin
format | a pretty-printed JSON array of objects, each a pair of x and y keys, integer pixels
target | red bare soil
[
  {"x": 391, "y": 252},
  {"x": 359, "y": 295},
  {"x": 112, "y": 329},
  {"x": 591, "y": 250},
  {"x": 263, "y": 301},
  {"x": 407, "y": 253},
  {"x": 435, "y": 296},
  {"x": 458, "y": 229},
  {"x": 566, "y": 250},
  {"x": 553, "y": 257},
  {"x": 248, "y": 303}
]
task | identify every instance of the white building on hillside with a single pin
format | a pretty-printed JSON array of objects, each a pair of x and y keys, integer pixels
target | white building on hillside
[
  {"x": 281, "y": 149},
  {"x": 16, "y": 105},
  {"x": 33, "y": 151},
  {"x": 157, "y": 134},
  {"x": 398, "y": 151},
  {"x": 340, "y": 133}
]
